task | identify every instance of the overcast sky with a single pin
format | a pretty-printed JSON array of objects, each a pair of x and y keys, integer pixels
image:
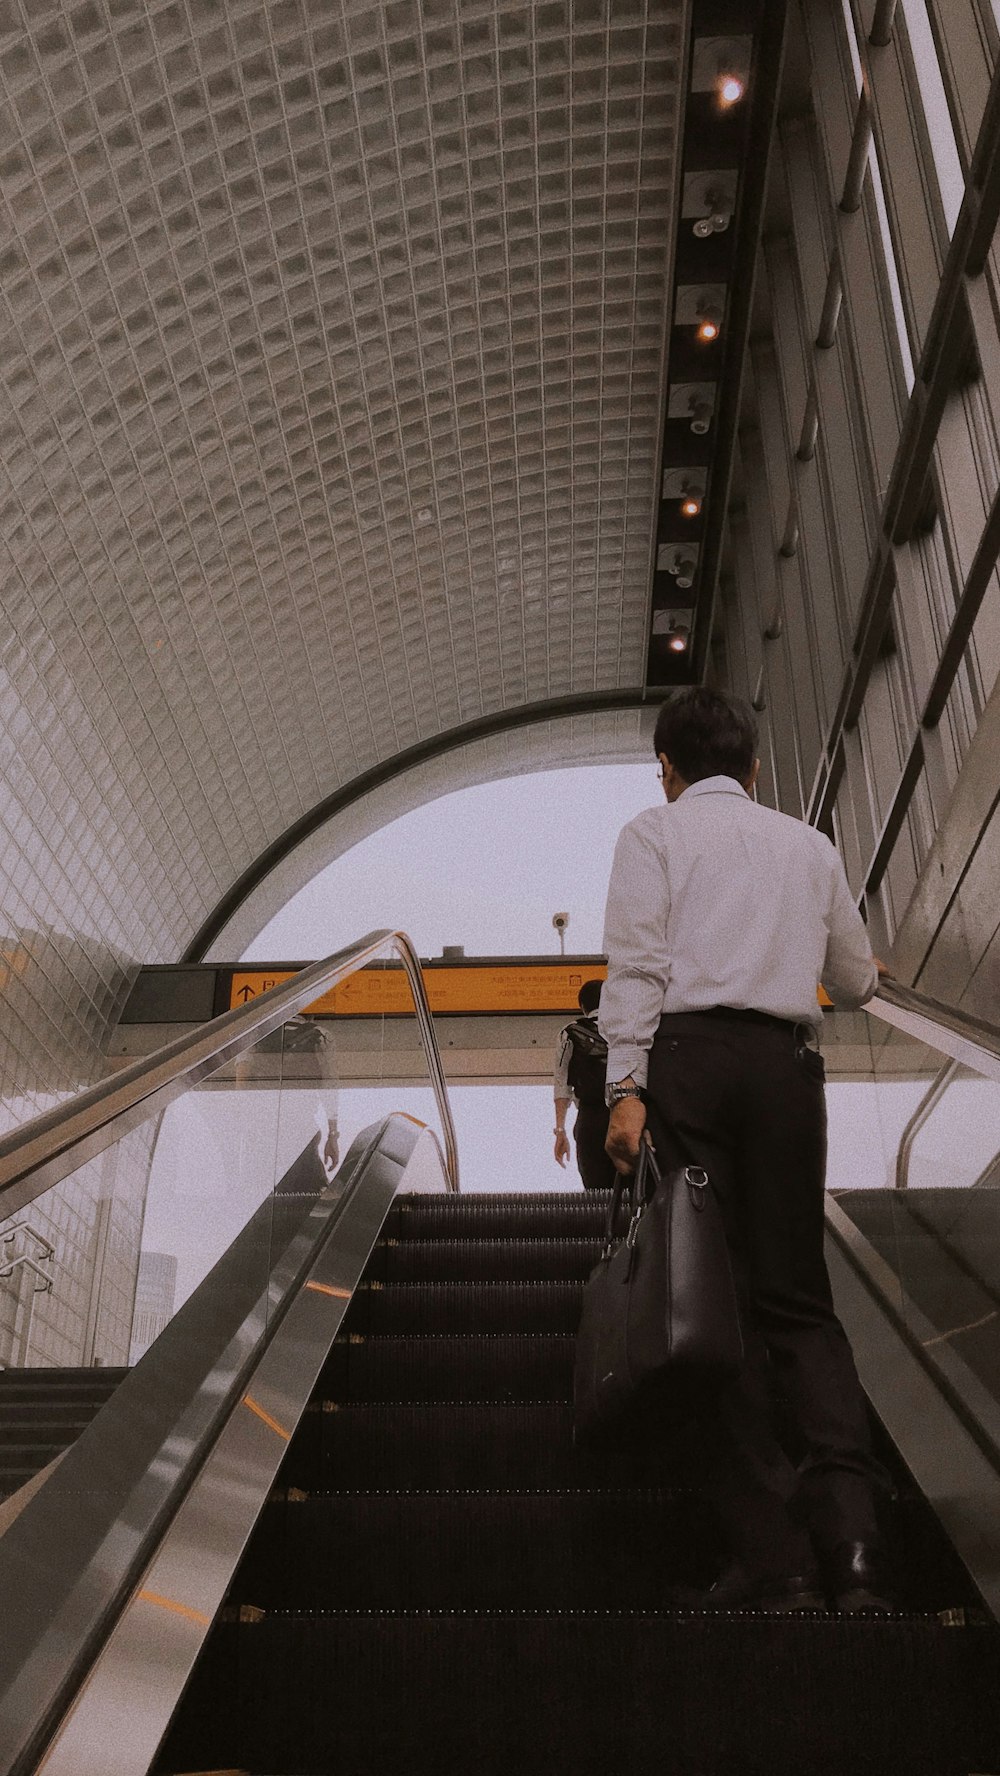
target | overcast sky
[{"x": 485, "y": 867}]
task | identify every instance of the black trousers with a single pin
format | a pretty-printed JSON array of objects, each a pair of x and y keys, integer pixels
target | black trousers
[
  {"x": 742, "y": 1095},
  {"x": 590, "y": 1133}
]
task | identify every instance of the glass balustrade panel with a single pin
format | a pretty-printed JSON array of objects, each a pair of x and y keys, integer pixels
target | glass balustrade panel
[{"x": 226, "y": 1180}]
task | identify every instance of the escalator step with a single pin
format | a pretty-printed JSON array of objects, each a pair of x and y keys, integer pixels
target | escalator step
[
  {"x": 12, "y": 1479},
  {"x": 75, "y": 1415},
  {"x": 490, "y": 1366},
  {"x": 476, "y": 1550},
  {"x": 100, "y": 1378},
  {"x": 575, "y": 1695},
  {"x": 465, "y": 1307},
  {"x": 46, "y": 1431},
  {"x": 570, "y": 1214},
  {"x": 33, "y": 1455},
  {"x": 475, "y": 1260},
  {"x": 41, "y": 1395},
  {"x": 460, "y": 1443}
]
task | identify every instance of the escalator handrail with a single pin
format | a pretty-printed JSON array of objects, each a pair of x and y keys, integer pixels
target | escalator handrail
[
  {"x": 74, "y": 1557},
  {"x": 969, "y": 1040},
  {"x": 45, "y": 1150}
]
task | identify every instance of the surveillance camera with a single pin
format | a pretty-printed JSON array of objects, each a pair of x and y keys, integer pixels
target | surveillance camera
[{"x": 560, "y": 921}]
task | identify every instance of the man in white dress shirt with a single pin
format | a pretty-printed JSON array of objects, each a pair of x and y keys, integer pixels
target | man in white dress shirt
[{"x": 722, "y": 919}]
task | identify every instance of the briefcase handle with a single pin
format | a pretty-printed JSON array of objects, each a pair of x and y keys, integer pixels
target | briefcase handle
[{"x": 641, "y": 1190}]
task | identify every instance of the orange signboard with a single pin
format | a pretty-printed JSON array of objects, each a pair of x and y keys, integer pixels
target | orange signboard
[
  {"x": 487, "y": 987},
  {"x": 491, "y": 987}
]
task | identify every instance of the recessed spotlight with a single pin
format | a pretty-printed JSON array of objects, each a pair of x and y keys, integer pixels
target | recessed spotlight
[
  {"x": 690, "y": 507},
  {"x": 701, "y": 417},
  {"x": 677, "y": 639},
  {"x": 708, "y": 330},
  {"x": 730, "y": 89}
]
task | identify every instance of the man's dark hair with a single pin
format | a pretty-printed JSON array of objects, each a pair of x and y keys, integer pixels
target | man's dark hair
[
  {"x": 589, "y": 997},
  {"x": 706, "y": 733}
]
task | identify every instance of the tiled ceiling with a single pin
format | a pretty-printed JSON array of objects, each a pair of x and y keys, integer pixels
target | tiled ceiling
[{"x": 332, "y": 355}]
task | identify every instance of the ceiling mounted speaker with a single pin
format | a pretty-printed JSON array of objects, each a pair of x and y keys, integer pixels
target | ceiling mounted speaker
[{"x": 709, "y": 200}]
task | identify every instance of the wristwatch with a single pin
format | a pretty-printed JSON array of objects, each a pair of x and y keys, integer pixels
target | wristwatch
[{"x": 614, "y": 1094}]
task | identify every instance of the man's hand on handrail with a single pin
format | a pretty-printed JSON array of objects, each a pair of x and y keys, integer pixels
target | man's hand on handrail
[{"x": 884, "y": 971}]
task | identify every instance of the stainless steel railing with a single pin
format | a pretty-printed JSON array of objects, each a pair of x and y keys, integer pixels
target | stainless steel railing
[
  {"x": 954, "y": 1033},
  {"x": 44, "y": 1151}
]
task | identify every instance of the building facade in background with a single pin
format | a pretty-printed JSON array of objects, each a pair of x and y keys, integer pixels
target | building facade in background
[{"x": 155, "y": 1293}]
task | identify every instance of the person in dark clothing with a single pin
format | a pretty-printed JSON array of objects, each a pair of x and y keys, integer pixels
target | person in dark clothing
[
  {"x": 722, "y": 918},
  {"x": 579, "y": 1078}
]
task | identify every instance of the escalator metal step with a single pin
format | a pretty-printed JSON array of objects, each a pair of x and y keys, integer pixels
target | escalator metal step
[
  {"x": 465, "y": 1307},
  {"x": 42, "y": 1426},
  {"x": 469, "y": 1366},
  {"x": 482, "y": 1260},
  {"x": 103, "y": 1381},
  {"x": 574, "y": 1694},
  {"x": 42, "y": 1395},
  {"x": 475, "y": 1550},
  {"x": 527, "y": 1443},
  {"x": 12, "y": 1479},
  {"x": 570, "y": 1214}
]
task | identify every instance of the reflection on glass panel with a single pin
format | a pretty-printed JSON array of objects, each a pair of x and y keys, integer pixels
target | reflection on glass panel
[
  {"x": 940, "y": 1235},
  {"x": 213, "y": 1165},
  {"x": 957, "y": 1146},
  {"x": 947, "y": 165},
  {"x": 198, "y": 1222},
  {"x": 69, "y": 1264}
]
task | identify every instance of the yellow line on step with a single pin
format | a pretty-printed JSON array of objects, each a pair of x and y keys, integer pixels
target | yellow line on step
[
  {"x": 175, "y": 1608},
  {"x": 265, "y": 1418}
]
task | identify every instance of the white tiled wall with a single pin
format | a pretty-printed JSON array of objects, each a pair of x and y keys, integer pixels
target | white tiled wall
[{"x": 332, "y": 352}]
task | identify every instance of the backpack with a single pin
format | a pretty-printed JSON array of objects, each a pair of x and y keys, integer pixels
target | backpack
[{"x": 588, "y": 1062}]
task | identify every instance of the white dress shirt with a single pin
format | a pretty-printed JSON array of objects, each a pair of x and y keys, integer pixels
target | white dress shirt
[{"x": 715, "y": 900}]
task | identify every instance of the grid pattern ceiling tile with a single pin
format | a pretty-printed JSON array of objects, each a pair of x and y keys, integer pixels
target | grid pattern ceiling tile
[{"x": 333, "y": 341}]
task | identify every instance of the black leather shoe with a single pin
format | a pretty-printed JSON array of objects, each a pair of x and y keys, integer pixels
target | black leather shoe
[
  {"x": 775, "y": 1594},
  {"x": 858, "y": 1578}
]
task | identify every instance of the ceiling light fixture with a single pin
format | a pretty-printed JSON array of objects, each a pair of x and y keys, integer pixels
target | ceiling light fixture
[
  {"x": 684, "y": 483},
  {"x": 677, "y": 638},
  {"x": 730, "y": 90},
  {"x": 701, "y": 417},
  {"x": 690, "y": 506},
  {"x": 709, "y": 318}
]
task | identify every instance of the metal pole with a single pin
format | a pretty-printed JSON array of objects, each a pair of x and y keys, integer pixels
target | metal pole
[
  {"x": 857, "y": 165},
  {"x": 880, "y": 35}
]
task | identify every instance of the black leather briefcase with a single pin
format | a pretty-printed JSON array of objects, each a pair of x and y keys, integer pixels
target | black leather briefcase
[{"x": 659, "y": 1310}]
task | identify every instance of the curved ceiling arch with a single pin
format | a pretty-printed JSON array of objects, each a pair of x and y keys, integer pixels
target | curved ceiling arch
[{"x": 335, "y": 342}]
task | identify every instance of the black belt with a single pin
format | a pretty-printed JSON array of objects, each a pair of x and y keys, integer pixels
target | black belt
[{"x": 735, "y": 1014}]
